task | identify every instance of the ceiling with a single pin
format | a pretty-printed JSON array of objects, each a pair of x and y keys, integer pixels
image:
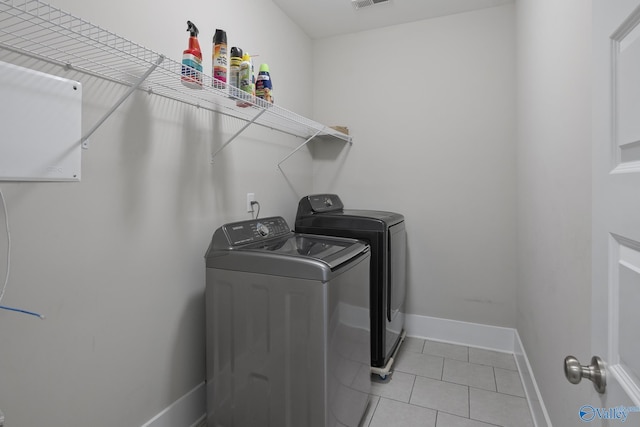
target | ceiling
[{"x": 326, "y": 18}]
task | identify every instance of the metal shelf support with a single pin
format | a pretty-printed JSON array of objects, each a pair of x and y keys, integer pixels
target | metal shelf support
[
  {"x": 235, "y": 135},
  {"x": 123, "y": 98},
  {"x": 299, "y": 147}
]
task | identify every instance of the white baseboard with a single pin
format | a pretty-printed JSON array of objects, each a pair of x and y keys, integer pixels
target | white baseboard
[
  {"x": 188, "y": 411},
  {"x": 457, "y": 332},
  {"x": 488, "y": 337},
  {"x": 531, "y": 390}
]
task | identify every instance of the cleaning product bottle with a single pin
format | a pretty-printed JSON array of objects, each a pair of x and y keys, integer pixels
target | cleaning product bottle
[
  {"x": 253, "y": 79},
  {"x": 192, "y": 60},
  {"x": 219, "y": 58},
  {"x": 245, "y": 76},
  {"x": 234, "y": 70},
  {"x": 264, "y": 85}
]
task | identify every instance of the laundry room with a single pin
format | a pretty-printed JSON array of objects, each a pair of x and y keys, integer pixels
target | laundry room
[{"x": 473, "y": 123}]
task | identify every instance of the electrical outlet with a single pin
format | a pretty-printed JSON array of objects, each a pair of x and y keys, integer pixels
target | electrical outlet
[{"x": 251, "y": 197}]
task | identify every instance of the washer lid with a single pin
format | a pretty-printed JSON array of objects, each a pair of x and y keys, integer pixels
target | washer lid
[{"x": 267, "y": 246}]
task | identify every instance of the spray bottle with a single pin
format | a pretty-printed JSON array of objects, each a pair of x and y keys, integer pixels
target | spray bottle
[
  {"x": 245, "y": 79},
  {"x": 219, "y": 58},
  {"x": 264, "y": 85},
  {"x": 235, "y": 60},
  {"x": 192, "y": 60}
]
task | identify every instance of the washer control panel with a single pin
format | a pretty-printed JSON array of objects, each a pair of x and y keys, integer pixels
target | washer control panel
[{"x": 255, "y": 230}]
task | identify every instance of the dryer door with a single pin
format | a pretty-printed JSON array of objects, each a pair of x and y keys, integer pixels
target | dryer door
[{"x": 397, "y": 270}]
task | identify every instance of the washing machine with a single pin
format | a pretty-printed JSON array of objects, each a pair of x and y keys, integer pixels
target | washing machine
[
  {"x": 287, "y": 327},
  {"x": 324, "y": 214}
]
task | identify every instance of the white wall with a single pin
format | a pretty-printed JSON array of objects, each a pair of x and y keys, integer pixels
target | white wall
[
  {"x": 431, "y": 107},
  {"x": 554, "y": 195},
  {"x": 115, "y": 262}
]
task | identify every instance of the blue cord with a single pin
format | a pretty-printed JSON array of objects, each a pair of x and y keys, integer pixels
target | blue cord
[
  {"x": 6, "y": 277},
  {"x": 19, "y": 310}
]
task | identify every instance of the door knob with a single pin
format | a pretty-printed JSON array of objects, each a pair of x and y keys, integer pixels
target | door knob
[{"x": 594, "y": 372}]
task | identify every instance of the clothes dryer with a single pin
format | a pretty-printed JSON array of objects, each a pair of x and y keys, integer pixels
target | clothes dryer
[{"x": 325, "y": 214}]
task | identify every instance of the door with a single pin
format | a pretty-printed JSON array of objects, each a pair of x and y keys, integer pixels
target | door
[{"x": 615, "y": 327}]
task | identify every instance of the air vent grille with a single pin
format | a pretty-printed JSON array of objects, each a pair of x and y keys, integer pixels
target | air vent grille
[{"x": 359, "y": 4}]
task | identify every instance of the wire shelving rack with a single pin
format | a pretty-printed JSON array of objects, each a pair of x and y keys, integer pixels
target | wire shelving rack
[{"x": 39, "y": 30}]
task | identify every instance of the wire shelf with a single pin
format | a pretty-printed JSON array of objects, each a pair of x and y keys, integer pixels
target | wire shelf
[{"x": 40, "y": 30}]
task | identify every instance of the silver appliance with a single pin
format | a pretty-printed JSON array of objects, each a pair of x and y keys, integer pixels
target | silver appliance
[{"x": 287, "y": 327}]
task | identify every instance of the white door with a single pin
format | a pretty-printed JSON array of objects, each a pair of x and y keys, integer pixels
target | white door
[{"x": 615, "y": 308}]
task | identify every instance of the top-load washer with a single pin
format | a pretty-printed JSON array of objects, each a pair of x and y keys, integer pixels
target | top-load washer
[
  {"x": 385, "y": 232},
  {"x": 287, "y": 327}
]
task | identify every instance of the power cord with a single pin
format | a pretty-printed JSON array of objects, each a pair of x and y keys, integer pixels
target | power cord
[
  {"x": 258, "y": 213},
  {"x": 6, "y": 277}
]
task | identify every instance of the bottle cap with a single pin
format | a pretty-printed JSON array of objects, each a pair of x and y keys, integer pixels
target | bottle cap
[
  {"x": 236, "y": 51},
  {"x": 220, "y": 36},
  {"x": 264, "y": 67},
  {"x": 246, "y": 57}
]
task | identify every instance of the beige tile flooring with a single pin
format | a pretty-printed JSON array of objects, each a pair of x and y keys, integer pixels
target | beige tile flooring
[{"x": 436, "y": 384}]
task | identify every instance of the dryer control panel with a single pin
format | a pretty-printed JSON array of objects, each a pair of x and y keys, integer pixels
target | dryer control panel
[
  {"x": 254, "y": 230},
  {"x": 325, "y": 202}
]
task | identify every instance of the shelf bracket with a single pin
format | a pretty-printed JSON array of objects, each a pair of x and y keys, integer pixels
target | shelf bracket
[
  {"x": 235, "y": 135},
  {"x": 299, "y": 147},
  {"x": 123, "y": 98}
]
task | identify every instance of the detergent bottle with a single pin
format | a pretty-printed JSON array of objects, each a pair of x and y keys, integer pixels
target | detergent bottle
[{"x": 264, "y": 85}]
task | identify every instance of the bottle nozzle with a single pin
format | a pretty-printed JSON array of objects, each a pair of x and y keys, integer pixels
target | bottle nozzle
[{"x": 193, "y": 30}]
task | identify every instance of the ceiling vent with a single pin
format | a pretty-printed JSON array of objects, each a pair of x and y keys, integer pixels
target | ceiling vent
[{"x": 359, "y": 4}]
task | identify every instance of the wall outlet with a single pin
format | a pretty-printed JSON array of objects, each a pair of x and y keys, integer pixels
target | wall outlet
[{"x": 251, "y": 197}]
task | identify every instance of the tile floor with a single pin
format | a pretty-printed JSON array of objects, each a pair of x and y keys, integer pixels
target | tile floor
[{"x": 444, "y": 385}]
